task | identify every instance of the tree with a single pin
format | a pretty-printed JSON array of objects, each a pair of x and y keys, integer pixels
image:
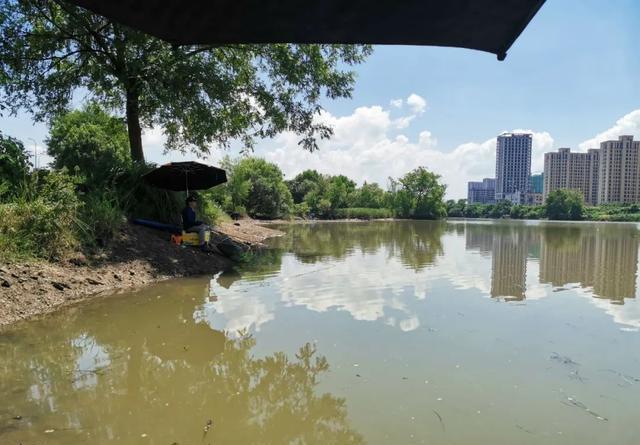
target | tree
[
  {"x": 199, "y": 95},
  {"x": 368, "y": 196},
  {"x": 564, "y": 204},
  {"x": 500, "y": 209},
  {"x": 456, "y": 209},
  {"x": 339, "y": 191},
  {"x": 420, "y": 195},
  {"x": 258, "y": 186},
  {"x": 303, "y": 183},
  {"x": 89, "y": 139},
  {"x": 14, "y": 162}
]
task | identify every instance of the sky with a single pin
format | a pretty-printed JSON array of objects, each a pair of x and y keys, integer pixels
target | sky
[{"x": 572, "y": 79}]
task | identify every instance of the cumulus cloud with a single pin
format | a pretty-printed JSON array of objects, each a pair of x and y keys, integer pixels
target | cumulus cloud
[
  {"x": 627, "y": 124},
  {"x": 367, "y": 147},
  {"x": 416, "y": 103},
  {"x": 371, "y": 145}
]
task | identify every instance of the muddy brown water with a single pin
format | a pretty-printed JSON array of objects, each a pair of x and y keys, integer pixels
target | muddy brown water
[{"x": 351, "y": 333}]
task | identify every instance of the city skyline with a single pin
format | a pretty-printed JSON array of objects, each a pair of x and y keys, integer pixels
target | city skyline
[
  {"x": 442, "y": 107},
  {"x": 609, "y": 174}
]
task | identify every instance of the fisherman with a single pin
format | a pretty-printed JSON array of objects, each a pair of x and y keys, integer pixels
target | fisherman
[{"x": 192, "y": 225}]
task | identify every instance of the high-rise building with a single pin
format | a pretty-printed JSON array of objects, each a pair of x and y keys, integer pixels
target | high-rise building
[
  {"x": 513, "y": 167},
  {"x": 481, "y": 192},
  {"x": 573, "y": 171},
  {"x": 537, "y": 183},
  {"x": 619, "y": 173}
]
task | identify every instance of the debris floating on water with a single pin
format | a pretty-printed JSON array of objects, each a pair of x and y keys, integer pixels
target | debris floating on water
[
  {"x": 440, "y": 419},
  {"x": 575, "y": 375},
  {"x": 628, "y": 379},
  {"x": 207, "y": 427},
  {"x": 565, "y": 360},
  {"x": 577, "y": 404}
]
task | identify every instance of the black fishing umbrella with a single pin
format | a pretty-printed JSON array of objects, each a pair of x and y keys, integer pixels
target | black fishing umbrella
[
  {"x": 486, "y": 25},
  {"x": 185, "y": 176}
]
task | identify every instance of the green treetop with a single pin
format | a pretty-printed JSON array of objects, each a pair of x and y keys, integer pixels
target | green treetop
[{"x": 199, "y": 95}]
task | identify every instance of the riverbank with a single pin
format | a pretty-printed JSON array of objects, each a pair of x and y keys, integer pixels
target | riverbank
[{"x": 137, "y": 257}]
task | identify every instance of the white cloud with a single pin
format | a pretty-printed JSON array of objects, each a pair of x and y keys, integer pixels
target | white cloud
[
  {"x": 369, "y": 145},
  {"x": 627, "y": 124},
  {"x": 416, "y": 103},
  {"x": 396, "y": 103},
  {"x": 366, "y": 147},
  {"x": 403, "y": 122}
]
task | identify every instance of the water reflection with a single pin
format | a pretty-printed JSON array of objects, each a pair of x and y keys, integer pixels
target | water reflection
[
  {"x": 600, "y": 258},
  {"x": 120, "y": 373},
  {"x": 411, "y": 315},
  {"x": 376, "y": 271},
  {"x": 415, "y": 247}
]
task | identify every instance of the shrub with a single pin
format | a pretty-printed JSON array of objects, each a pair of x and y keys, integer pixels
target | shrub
[
  {"x": 140, "y": 200},
  {"x": 363, "y": 213},
  {"x": 301, "y": 210},
  {"x": 101, "y": 217},
  {"x": 210, "y": 211},
  {"x": 43, "y": 221}
]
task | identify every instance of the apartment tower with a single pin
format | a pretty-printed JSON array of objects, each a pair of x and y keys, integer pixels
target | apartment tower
[
  {"x": 619, "y": 174},
  {"x": 573, "y": 171},
  {"x": 513, "y": 167}
]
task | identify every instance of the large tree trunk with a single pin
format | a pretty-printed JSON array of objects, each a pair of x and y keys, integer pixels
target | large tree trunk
[{"x": 133, "y": 126}]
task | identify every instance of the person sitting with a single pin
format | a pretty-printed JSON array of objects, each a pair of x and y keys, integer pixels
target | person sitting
[{"x": 191, "y": 224}]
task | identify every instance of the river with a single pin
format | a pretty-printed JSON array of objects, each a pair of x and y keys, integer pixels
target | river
[{"x": 389, "y": 332}]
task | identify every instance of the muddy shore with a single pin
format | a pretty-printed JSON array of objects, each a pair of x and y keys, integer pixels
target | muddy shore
[{"x": 137, "y": 257}]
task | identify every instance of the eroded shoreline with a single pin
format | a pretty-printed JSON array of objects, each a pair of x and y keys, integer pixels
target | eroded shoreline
[{"x": 138, "y": 257}]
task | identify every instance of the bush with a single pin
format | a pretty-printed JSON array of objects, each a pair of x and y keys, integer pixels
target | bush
[
  {"x": 101, "y": 217},
  {"x": 210, "y": 212},
  {"x": 43, "y": 221},
  {"x": 363, "y": 213},
  {"x": 140, "y": 200},
  {"x": 301, "y": 210}
]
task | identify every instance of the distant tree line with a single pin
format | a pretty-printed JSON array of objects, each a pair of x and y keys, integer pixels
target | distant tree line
[
  {"x": 258, "y": 188},
  {"x": 559, "y": 205}
]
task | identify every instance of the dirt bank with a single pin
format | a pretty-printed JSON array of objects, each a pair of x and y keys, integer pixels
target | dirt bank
[{"x": 137, "y": 257}]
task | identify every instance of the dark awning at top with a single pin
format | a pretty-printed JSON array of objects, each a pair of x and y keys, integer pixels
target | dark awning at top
[{"x": 486, "y": 25}]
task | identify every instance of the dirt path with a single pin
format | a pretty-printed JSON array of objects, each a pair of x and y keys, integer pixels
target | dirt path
[{"x": 138, "y": 257}]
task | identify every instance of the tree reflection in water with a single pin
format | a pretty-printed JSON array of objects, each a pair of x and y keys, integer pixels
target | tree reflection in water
[
  {"x": 111, "y": 373},
  {"x": 416, "y": 243}
]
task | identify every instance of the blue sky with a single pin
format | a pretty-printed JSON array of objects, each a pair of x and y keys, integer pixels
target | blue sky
[{"x": 573, "y": 76}]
